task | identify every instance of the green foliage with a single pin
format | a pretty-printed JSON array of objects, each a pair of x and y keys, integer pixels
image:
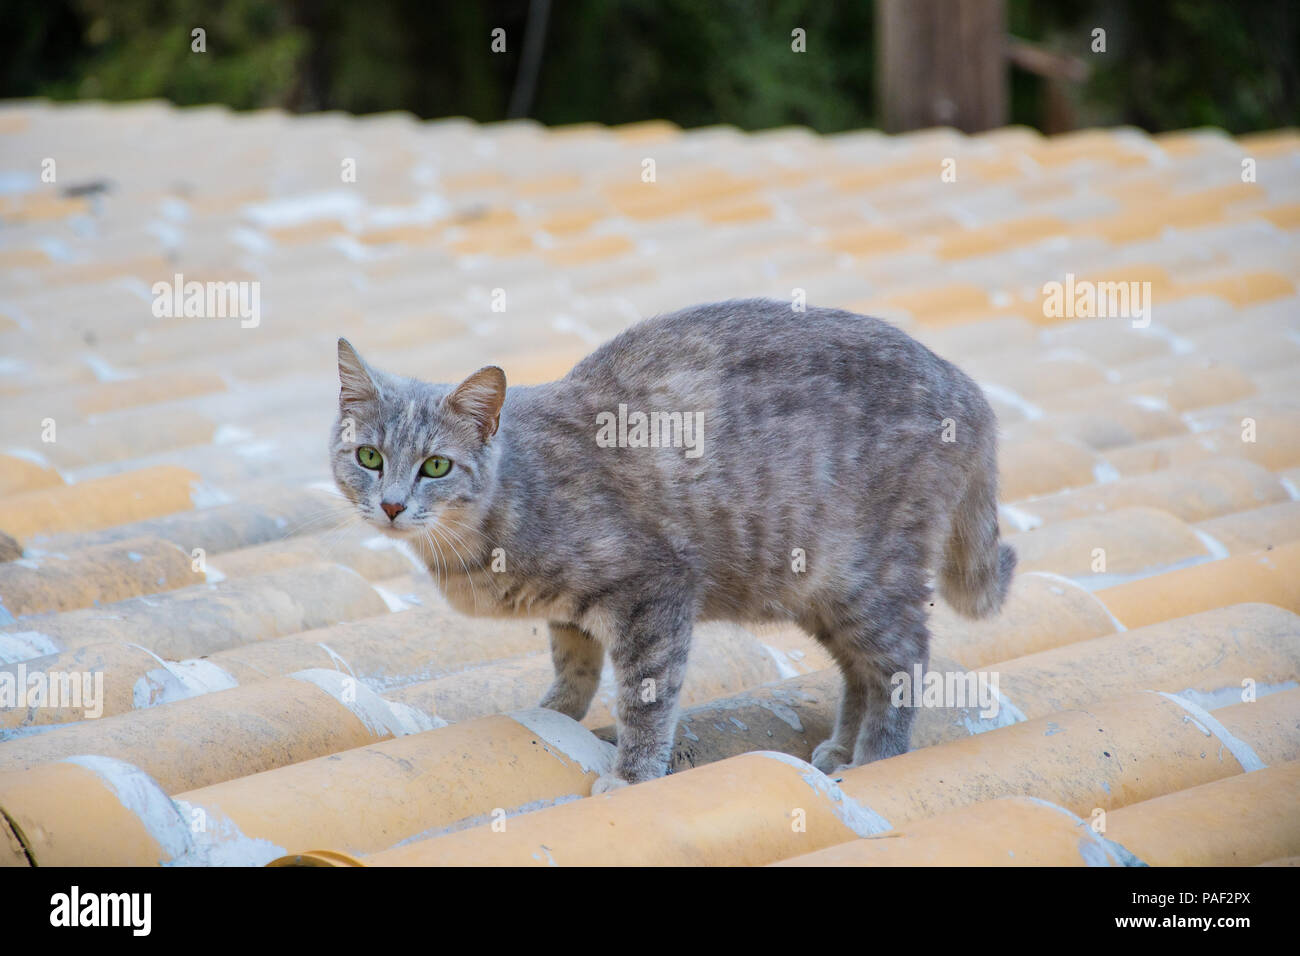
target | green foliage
[
  {"x": 725, "y": 62},
  {"x": 1174, "y": 64},
  {"x": 143, "y": 48},
  {"x": 1169, "y": 64}
]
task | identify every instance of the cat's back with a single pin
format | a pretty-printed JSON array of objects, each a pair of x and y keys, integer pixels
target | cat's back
[
  {"x": 764, "y": 349},
  {"x": 724, "y": 434}
]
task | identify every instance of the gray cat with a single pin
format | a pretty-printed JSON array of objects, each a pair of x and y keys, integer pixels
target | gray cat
[{"x": 739, "y": 461}]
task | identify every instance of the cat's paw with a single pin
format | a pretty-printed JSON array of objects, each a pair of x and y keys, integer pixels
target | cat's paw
[
  {"x": 564, "y": 704},
  {"x": 828, "y": 756},
  {"x": 607, "y": 782}
]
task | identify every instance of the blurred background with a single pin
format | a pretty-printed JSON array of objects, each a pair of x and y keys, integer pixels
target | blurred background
[{"x": 895, "y": 64}]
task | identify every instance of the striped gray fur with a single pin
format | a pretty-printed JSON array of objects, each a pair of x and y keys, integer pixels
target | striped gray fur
[{"x": 841, "y": 466}]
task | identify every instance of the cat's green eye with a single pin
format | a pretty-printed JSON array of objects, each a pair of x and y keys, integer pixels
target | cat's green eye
[
  {"x": 435, "y": 467},
  {"x": 370, "y": 458}
]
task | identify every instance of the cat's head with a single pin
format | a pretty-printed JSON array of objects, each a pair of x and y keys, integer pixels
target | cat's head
[{"x": 408, "y": 454}]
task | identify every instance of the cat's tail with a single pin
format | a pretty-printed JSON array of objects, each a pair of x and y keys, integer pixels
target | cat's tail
[{"x": 976, "y": 569}]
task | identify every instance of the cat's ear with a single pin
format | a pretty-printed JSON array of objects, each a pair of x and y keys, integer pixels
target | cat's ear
[
  {"x": 356, "y": 384},
  {"x": 479, "y": 399}
]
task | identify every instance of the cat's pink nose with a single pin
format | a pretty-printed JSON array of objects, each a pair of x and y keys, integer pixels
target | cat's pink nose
[{"x": 392, "y": 510}]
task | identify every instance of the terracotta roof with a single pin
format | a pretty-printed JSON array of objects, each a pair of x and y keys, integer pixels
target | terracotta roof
[{"x": 278, "y": 686}]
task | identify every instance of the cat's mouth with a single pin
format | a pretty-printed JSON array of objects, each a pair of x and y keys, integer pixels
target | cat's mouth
[
  {"x": 394, "y": 529},
  {"x": 406, "y": 525}
]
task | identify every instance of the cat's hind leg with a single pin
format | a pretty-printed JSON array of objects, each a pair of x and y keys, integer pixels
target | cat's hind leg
[
  {"x": 830, "y": 755},
  {"x": 869, "y": 725},
  {"x": 578, "y": 658}
]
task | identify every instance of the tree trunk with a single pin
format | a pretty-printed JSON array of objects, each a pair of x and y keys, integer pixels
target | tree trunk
[{"x": 942, "y": 63}]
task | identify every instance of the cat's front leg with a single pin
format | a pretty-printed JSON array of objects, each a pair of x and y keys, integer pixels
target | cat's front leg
[
  {"x": 649, "y": 656},
  {"x": 578, "y": 658}
]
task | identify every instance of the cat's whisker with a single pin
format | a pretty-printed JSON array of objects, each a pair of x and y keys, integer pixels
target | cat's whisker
[
  {"x": 449, "y": 522},
  {"x": 424, "y": 552},
  {"x": 468, "y": 575},
  {"x": 308, "y": 524},
  {"x": 453, "y": 531},
  {"x": 443, "y": 558},
  {"x": 323, "y": 524},
  {"x": 443, "y": 544},
  {"x": 435, "y": 549},
  {"x": 332, "y": 538}
]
